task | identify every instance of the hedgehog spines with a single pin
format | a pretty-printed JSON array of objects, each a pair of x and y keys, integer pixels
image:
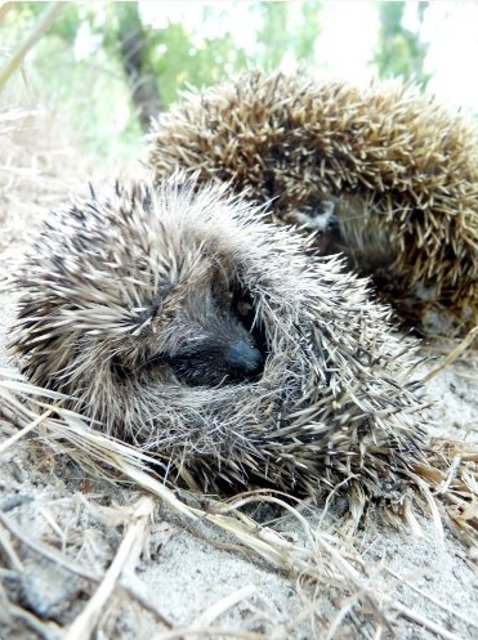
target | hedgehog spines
[
  {"x": 119, "y": 290},
  {"x": 408, "y": 165}
]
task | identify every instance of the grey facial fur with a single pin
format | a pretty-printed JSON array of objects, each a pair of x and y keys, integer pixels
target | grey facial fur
[{"x": 209, "y": 340}]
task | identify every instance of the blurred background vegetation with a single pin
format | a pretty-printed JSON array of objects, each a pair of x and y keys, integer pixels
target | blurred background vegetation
[{"x": 109, "y": 67}]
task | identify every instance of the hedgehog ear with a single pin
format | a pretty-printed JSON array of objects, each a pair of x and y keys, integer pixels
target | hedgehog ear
[{"x": 319, "y": 217}]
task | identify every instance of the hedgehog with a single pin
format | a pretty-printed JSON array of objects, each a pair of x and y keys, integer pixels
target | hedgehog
[
  {"x": 173, "y": 316},
  {"x": 382, "y": 173}
]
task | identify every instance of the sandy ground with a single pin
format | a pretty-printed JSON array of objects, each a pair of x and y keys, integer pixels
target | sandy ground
[{"x": 60, "y": 527}]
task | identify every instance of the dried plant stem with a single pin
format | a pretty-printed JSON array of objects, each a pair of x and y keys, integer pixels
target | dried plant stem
[
  {"x": 218, "y": 608},
  {"x": 409, "y": 614},
  {"x": 47, "y": 18},
  {"x": 29, "y": 427},
  {"x": 315, "y": 559},
  {"x": 438, "y": 603},
  {"x": 132, "y": 585},
  {"x": 45, "y": 550},
  {"x": 34, "y": 623},
  {"x": 209, "y": 632},
  {"x": 84, "y": 625},
  {"x": 453, "y": 355},
  {"x": 9, "y": 551}
]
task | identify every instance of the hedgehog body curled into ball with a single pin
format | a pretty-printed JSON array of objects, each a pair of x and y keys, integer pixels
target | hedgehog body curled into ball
[
  {"x": 389, "y": 176},
  {"x": 186, "y": 325}
]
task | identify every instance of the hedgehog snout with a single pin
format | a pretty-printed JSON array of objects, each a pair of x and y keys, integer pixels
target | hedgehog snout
[
  {"x": 245, "y": 357},
  {"x": 216, "y": 361},
  {"x": 321, "y": 220}
]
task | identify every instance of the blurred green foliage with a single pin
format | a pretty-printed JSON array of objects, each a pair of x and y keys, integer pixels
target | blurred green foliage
[
  {"x": 399, "y": 51},
  {"x": 278, "y": 38},
  {"x": 79, "y": 66}
]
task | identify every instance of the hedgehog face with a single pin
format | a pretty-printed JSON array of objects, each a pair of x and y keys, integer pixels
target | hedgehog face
[
  {"x": 219, "y": 347},
  {"x": 321, "y": 220},
  {"x": 204, "y": 337},
  {"x": 197, "y": 323},
  {"x": 154, "y": 291}
]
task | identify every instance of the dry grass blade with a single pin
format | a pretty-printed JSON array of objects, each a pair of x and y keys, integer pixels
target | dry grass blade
[
  {"x": 452, "y": 474},
  {"x": 231, "y": 600},
  {"x": 205, "y": 633},
  {"x": 453, "y": 355},
  {"x": 319, "y": 561},
  {"x": 9, "y": 552},
  {"x": 129, "y": 582},
  {"x": 318, "y": 558},
  {"x": 437, "y": 629},
  {"x": 265, "y": 542},
  {"x": 85, "y": 623},
  {"x": 466, "y": 619},
  {"x": 23, "y": 432},
  {"x": 47, "y": 18}
]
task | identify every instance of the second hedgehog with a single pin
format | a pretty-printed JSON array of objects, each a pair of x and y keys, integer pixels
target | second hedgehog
[
  {"x": 387, "y": 175},
  {"x": 184, "y": 324}
]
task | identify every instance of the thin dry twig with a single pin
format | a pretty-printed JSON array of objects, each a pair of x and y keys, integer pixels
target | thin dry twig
[
  {"x": 344, "y": 611},
  {"x": 209, "y": 632},
  {"x": 224, "y": 604},
  {"x": 318, "y": 560},
  {"x": 453, "y": 355},
  {"x": 438, "y": 603},
  {"x": 23, "y": 432},
  {"x": 424, "y": 622},
  {"x": 46, "y": 19},
  {"x": 130, "y": 583},
  {"x": 9, "y": 551},
  {"x": 84, "y": 624}
]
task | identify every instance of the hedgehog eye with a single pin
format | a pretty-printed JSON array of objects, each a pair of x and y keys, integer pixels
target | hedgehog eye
[
  {"x": 221, "y": 293},
  {"x": 244, "y": 308},
  {"x": 242, "y": 304}
]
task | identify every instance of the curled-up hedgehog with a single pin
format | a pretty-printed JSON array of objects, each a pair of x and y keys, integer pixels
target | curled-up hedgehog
[
  {"x": 383, "y": 174},
  {"x": 180, "y": 321}
]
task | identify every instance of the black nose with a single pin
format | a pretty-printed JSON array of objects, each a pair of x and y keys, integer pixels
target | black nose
[
  {"x": 244, "y": 358},
  {"x": 214, "y": 362}
]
